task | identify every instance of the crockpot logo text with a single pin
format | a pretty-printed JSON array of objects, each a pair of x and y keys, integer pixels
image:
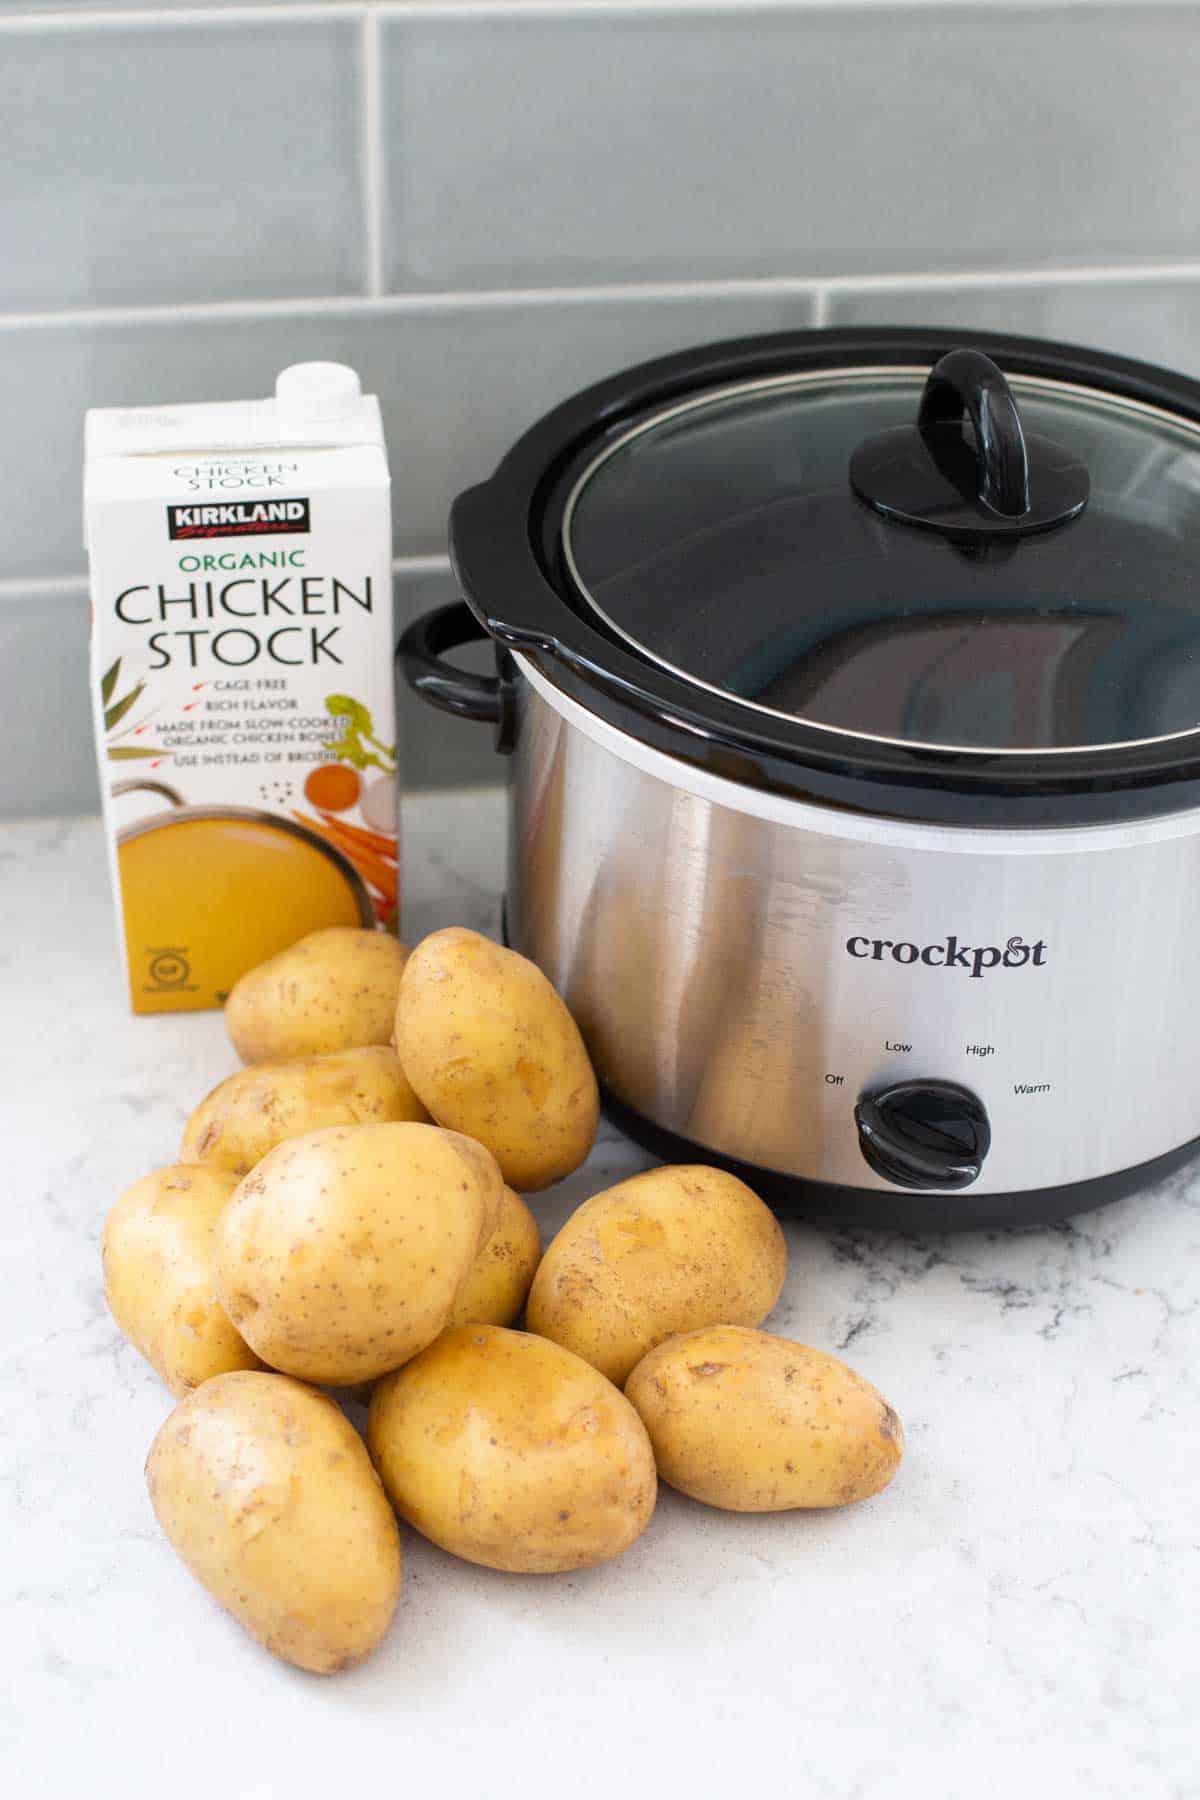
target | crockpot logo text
[{"x": 976, "y": 959}]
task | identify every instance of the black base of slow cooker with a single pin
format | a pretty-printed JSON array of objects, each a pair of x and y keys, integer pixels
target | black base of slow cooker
[{"x": 898, "y": 1209}]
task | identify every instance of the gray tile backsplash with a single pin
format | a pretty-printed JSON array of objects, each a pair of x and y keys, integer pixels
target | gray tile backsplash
[
  {"x": 1156, "y": 320},
  {"x": 47, "y": 759},
  {"x": 457, "y": 384},
  {"x": 484, "y": 207},
  {"x": 661, "y": 144},
  {"x": 178, "y": 161}
]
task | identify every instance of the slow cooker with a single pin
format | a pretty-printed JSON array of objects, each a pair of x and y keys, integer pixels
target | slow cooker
[{"x": 850, "y": 685}]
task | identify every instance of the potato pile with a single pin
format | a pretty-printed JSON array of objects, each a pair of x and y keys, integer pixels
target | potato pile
[{"x": 347, "y": 1212}]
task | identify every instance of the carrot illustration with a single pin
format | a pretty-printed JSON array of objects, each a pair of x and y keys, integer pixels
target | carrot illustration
[
  {"x": 370, "y": 840},
  {"x": 357, "y": 846},
  {"x": 373, "y": 868},
  {"x": 381, "y": 875}
]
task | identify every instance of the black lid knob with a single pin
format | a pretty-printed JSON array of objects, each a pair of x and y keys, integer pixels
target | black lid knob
[
  {"x": 994, "y": 481},
  {"x": 924, "y": 1134}
]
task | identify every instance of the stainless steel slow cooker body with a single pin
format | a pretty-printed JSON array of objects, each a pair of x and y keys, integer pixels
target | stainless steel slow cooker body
[
  {"x": 724, "y": 954},
  {"x": 887, "y": 985}
]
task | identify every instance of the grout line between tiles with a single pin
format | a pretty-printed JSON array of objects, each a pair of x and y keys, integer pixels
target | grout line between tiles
[
  {"x": 374, "y": 175},
  {"x": 1071, "y": 275},
  {"x": 421, "y": 565},
  {"x": 468, "y": 11},
  {"x": 16, "y": 587},
  {"x": 152, "y": 18},
  {"x": 474, "y": 10},
  {"x": 821, "y": 291},
  {"x": 441, "y": 300}
]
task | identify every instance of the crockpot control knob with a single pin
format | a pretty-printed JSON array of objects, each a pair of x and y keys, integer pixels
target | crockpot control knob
[{"x": 924, "y": 1134}]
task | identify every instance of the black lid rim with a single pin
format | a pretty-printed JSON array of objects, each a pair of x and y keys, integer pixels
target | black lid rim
[{"x": 503, "y": 547}]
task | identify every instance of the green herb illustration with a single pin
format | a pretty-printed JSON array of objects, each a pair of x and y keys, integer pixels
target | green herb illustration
[
  {"x": 358, "y": 731},
  {"x": 116, "y": 710}
]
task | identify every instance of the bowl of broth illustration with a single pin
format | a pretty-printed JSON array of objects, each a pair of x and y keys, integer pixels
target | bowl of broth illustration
[{"x": 208, "y": 892}]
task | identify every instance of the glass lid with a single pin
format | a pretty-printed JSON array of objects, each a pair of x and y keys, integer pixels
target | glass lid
[{"x": 948, "y": 560}]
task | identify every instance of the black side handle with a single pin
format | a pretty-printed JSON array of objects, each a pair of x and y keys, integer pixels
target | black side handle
[
  {"x": 421, "y": 654},
  {"x": 967, "y": 384}
]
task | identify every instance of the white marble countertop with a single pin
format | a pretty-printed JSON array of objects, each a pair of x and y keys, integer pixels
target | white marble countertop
[{"x": 1016, "y": 1616}]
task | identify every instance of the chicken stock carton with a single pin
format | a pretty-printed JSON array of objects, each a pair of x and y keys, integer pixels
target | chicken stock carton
[{"x": 241, "y": 660}]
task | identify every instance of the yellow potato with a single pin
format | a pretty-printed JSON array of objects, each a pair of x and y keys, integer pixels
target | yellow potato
[
  {"x": 157, "y": 1255},
  {"x": 498, "y": 1280},
  {"x": 334, "y": 990},
  {"x": 343, "y": 1252},
  {"x": 266, "y": 1492},
  {"x": 666, "y": 1252},
  {"x": 250, "y": 1112},
  {"x": 493, "y": 1052},
  {"x": 509, "y": 1451},
  {"x": 755, "y": 1423}
]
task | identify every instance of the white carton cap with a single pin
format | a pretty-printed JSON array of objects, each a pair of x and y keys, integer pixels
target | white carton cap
[
  {"x": 316, "y": 405},
  {"x": 317, "y": 392}
]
